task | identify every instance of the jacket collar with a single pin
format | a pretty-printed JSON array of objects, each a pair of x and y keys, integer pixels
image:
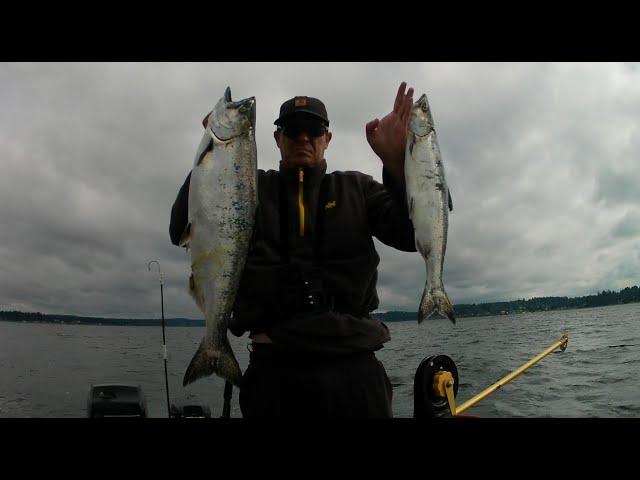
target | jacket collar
[{"x": 312, "y": 176}]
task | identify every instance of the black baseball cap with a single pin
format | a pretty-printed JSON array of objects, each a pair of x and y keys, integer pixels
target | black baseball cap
[{"x": 296, "y": 105}]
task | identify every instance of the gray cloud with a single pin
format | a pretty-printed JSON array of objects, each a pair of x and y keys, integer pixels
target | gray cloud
[
  {"x": 614, "y": 188},
  {"x": 541, "y": 160},
  {"x": 629, "y": 226}
]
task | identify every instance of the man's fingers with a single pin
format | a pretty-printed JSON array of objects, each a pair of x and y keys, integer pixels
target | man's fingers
[
  {"x": 410, "y": 93},
  {"x": 407, "y": 103},
  {"x": 399, "y": 97},
  {"x": 371, "y": 126}
]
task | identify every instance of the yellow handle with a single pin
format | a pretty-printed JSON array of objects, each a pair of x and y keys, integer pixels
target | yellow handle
[{"x": 560, "y": 344}]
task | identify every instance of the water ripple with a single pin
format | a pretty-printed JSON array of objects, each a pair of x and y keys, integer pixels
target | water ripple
[{"x": 594, "y": 377}]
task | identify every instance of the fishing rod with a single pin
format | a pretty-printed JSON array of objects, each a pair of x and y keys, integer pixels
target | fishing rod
[
  {"x": 164, "y": 345},
  {"x": 436, "y": 383}
]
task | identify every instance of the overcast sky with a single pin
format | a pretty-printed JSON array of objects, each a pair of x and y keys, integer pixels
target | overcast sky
[{"x": 542, "y": 161}]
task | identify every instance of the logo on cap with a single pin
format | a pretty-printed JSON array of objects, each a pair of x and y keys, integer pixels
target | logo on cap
[{"x": 300, "y": 102}]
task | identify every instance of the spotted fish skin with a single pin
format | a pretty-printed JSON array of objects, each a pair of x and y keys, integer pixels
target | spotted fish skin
[
  {"x": 429, "y": 203},
  {"x": 222, "y": 207}
]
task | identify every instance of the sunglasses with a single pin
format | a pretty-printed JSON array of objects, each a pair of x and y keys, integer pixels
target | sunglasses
[{"x": 313, "y": 129}]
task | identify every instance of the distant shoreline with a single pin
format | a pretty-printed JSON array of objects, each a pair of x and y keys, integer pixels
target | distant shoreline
[
  {"x": 28, "y": 317},
  {"x": 602, "y": 299}
]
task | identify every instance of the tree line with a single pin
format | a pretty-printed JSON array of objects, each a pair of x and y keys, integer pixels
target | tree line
[
  {"x": 537, "y": 304},
  {"x": 37, "y": 317}
]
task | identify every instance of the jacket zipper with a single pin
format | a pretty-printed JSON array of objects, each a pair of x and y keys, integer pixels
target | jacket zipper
[{"x": 300, "y": 202}]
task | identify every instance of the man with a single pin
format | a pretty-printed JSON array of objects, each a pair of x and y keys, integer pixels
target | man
[{"x": 309, "y": 284}]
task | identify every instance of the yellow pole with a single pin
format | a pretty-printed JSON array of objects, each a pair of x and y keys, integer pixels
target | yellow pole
[{"x": 561, "y": 344}]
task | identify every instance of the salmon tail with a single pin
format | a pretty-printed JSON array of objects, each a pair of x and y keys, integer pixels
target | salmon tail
[
  {"x": 211, "y": 358},
  {"x": 435, "y": 300}
]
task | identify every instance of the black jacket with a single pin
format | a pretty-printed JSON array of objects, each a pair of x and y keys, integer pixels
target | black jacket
[{"x": 330, "y": 260}]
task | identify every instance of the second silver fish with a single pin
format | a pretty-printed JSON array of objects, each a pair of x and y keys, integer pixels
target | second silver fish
[{"x": 429, "y": 203}]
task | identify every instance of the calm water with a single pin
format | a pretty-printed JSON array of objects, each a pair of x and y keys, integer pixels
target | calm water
[{"x": 46, "y": 370}]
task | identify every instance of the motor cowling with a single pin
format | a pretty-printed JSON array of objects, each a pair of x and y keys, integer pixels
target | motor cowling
[{"x": 116, "y": 400}]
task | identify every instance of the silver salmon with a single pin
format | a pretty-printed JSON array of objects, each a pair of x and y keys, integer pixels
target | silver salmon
[
  {"x": 222, "y": 206},
  {"x": 429, "y": 204}
]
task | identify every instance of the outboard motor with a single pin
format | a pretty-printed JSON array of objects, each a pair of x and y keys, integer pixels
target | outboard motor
[{"x": 108, "y": 400}]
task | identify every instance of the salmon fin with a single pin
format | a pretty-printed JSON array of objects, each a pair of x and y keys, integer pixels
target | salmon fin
[
  {"x": 424, "y": 249},
  {"x": 186, "y": 236},
  {"x": 195, "y": 294}
]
